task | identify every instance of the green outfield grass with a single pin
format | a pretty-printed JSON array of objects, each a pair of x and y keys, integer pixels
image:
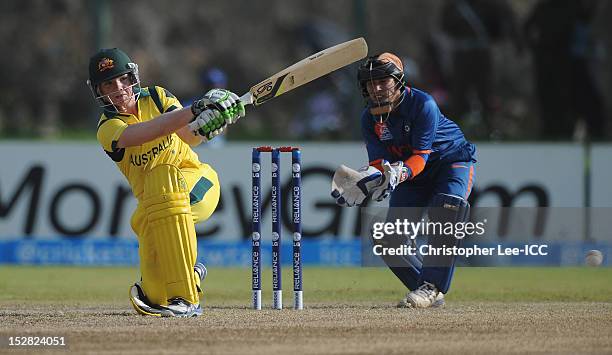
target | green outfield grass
[{"x": 224, "y": 286}]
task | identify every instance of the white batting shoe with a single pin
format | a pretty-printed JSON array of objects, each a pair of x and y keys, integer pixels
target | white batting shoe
[
  {"x": 141, "y": 304},
  {"x": 178, "y": 307},
  {"x": 426, "y": 296}
]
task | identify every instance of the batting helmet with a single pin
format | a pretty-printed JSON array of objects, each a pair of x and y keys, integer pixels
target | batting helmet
[{"x": 108, "y": 64}]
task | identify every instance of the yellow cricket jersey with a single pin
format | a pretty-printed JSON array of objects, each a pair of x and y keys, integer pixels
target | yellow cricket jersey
[{"x": 133, "y": 162}]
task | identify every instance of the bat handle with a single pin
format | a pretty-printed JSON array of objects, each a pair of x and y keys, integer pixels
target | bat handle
[
  {"x": 247, "y": 98},
  {"x": 193, "y": 126}
]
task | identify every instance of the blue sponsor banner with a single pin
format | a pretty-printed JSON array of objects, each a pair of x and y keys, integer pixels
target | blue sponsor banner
[
  {"x": 103, "y": 252},
  {"x": 542, "y": 254},
  {"x": 330, "y": 253},
  {"x": 69, "y": 252},
  {"x": 125, "y": 252}
]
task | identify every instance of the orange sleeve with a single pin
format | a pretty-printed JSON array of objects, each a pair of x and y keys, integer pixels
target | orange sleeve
[
  {"x": 416, "y": 163},
  {"x": 377, "y": 164}
]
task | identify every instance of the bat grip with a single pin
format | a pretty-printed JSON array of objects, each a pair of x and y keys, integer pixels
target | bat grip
[
  {"x": 247, "y": 98},
  {"x": 193, "y": 126}
]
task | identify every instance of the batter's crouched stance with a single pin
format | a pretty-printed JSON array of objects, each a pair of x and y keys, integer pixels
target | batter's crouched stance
[
  {"x": 148, "y": 134},
  {"x": 418, "y": 158}
]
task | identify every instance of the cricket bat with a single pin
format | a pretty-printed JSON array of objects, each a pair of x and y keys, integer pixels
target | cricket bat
[{"x": 306, "y": 70}]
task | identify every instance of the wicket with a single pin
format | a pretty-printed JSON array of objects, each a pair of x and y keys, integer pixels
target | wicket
[{"x": 296, "y": 217}]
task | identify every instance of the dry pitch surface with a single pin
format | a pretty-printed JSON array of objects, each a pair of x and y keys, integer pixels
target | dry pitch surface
[
  {"x": 574, "y": 323},
  {"x": 334, "y": 328}
]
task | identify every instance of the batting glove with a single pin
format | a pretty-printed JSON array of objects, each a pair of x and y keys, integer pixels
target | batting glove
[
  {"x": 225, "y": 101},
  {"x": 208, "y": 124}
]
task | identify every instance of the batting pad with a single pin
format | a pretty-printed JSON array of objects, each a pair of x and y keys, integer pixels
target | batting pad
[{"x": 171, "y": 232}]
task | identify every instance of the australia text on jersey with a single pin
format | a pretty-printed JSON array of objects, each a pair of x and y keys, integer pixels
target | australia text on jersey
[{"x": 142, "y": 159}]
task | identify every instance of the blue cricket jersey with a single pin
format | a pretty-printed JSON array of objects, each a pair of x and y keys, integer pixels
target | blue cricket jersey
[{"x": 416, "y": 128}]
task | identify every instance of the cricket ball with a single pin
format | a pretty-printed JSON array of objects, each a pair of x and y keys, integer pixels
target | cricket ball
[{"x": 593, "y": 258}]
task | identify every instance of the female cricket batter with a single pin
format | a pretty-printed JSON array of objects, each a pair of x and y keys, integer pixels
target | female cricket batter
[
  {"x": 145, "y": 132},
  {"x": 418, "y": 157}
]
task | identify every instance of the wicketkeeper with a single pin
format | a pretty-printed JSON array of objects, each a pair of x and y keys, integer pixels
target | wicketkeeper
[
  {"x": 145, "y": 132},
  {"x": 417, "y": 158}
]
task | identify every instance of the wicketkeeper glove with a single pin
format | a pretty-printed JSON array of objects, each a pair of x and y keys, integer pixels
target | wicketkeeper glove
[
  {"x": 393, "y": 174},
  {"x": 350, "y": 187}
]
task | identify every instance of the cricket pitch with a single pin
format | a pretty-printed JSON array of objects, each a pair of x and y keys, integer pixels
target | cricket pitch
[{"x": 346, "y": 311}]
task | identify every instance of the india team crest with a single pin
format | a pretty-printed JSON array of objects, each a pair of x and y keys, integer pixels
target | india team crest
[{"x": 382, "y": 131}]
